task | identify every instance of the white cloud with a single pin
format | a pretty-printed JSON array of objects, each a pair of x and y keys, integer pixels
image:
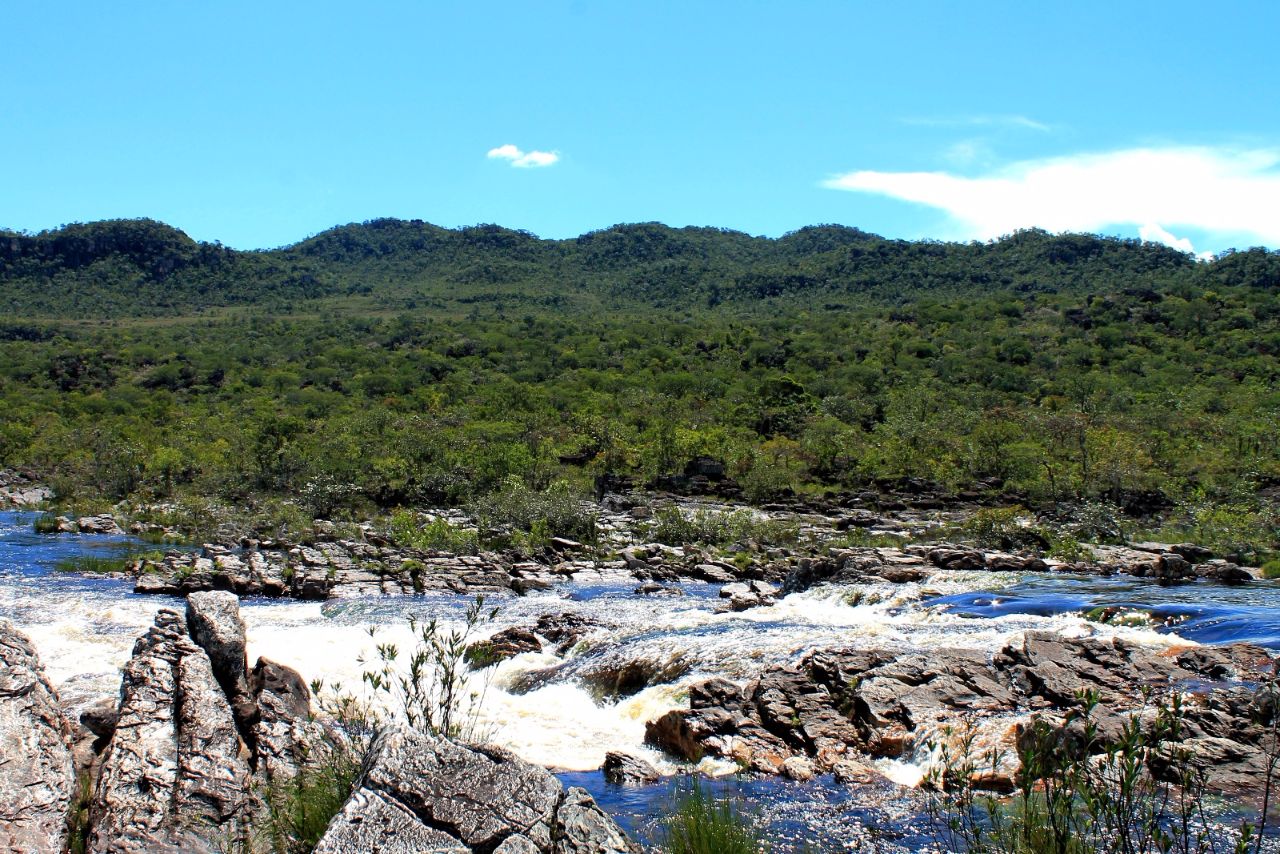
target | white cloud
[
  {"x": 1153, "y": 233},
  {"x": 1230, "y": 193},
  {"x": 523, "y": 159}
]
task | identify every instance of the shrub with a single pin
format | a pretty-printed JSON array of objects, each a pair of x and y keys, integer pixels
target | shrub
[
  {"x": 674, "y": 527},
  {"x": 299, "y": 808},
  {"x": 552, "y": 512},
  {"x": 437, "y": 534},
  {"x": 46, "y": 523},
  {"x": 1271, "y": 569},
  {"x": 702, "y": 824},
  {"x": 431, "y": 689},
  {"x": 1002, "y": 528}
]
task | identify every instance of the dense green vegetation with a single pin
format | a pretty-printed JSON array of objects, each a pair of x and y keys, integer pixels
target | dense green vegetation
[{"x": 397, "y": 363}]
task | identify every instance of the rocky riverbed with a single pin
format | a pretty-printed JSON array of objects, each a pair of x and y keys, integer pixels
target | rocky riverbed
[{"x": 827, "y": 672}]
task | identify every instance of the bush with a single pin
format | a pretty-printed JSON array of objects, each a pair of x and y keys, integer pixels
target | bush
[
  {"x": 1002, "y": 528},
  {"x": 673, "y": 527},
  {"x": 431, "y": 690},
  {"x": 702, "y": 824},
  {"x": 552, "y": 512},
  {"x": 299, "y": 808},
  {"x": 437, "y": 534},
  {"x": 1271, "y": 569},
  {"x": 46, "y": 523}
]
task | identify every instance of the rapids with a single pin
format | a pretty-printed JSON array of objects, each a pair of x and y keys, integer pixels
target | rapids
[{"x": 552, "y": 712}]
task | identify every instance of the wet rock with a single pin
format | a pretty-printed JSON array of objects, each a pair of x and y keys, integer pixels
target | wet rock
[
  {"x": 283, "y": 732},
  {"x": 1223, "y": 572},
  {"x": 798, "y": 768},
  {"x": 653, "y": 588},
  {"x": 100, "y": 717},
  {"x": 1171, "y": 569},
  {"x": 623, "y": 769},
  {"x": 423, "y": 794},
  {"x": 713, "y": 572},
  {"x": 501, "y": 646},
  {"x": 175, "y": 775},
  {"x": 957, "y": 558},
  {"x": 836, "y": 704},
  {"x": 852, "y": 772},
  {"x": 37, "y": 772}
]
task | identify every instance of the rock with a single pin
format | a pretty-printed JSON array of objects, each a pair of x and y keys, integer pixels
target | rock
[
  {"x": 102, "y": 524},
  {"x": 37, "y": 772},
  {"x": 100, "y": 718},
  {"x": 175, "y": 775},
  {"x": 714, "y": 573},
  {"x": 653, "y": 588},
  {"x": 422, "y": 794},
  {"x": 1171, "y": 569},
  {"x": 798, "y": 768},
  {"x": 283, "y": 733},
  {"x": 501, "y": 646},
  {"x": 838, "y": 703},
  {"x": 213, "y": 620},
  {"x": 1223, "y": 572},
  {"x": 851, "y": 772},
  {"x": 623, "y": 769},
  {"x": 581, "y": 827}
]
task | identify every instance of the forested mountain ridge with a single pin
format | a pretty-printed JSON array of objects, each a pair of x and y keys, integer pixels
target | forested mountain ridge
[
  {"x": 145, "y": 268},
  {"x": 398, "y": 363}
]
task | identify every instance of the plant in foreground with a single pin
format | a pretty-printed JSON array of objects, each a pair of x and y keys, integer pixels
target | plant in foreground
[
  {"x": 700, "y": 823},
  {"x": 433, "y": 689},
  {"x": 1136, "y": 792}
]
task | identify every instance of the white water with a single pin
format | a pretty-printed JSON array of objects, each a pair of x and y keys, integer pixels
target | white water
[{"x": 85, "y": 632}]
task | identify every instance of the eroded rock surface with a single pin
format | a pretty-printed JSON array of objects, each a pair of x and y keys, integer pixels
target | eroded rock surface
[
  {"x": 422, "y": 794},
  {"x": 37, "y": 773},
  {"x": 838, "y": 705}
]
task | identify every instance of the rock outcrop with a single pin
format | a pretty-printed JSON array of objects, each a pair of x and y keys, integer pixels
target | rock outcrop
[
  {"x": 192, "y": 735},
  {"x": 175, "y": 775},
  {"x": 838, "y": 705},
  {"x": 416, "y": 793},
  {"x": 37, "y": 772}
]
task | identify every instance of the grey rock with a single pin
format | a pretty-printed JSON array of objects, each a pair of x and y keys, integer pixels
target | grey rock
[
  {"x": 175, "y": 774},
  {"x": 213, "y": 619},
  {"x": 100, "y": 718},
  {"x": 284, "y": 732},
  {"x": 623, "y": 769},
  {"x": 37, "y": 773},
  {"x": 581, "y": 827},
  {"x": 422, "y": 794}
]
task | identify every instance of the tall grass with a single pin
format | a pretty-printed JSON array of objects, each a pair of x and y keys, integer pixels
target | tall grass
[{"x": 703, "y": 824}]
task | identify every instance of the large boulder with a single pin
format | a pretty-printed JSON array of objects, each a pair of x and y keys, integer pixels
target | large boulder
[
  {"x": 175, "y": 775},
  {"x": 417, "y": 793},
  {"x": 37, "y": 773}
]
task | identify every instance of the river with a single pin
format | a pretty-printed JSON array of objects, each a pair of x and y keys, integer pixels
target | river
[{"x": 85, "y": 628}]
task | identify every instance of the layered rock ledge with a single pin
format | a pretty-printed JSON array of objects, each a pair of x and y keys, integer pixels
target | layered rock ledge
[{"x": 852, "y": 705}]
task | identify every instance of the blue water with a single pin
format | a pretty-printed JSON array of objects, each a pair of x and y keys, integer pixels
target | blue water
[
  {"x": 1199, "y": 611},
  {"x": 815, "y": 816}
]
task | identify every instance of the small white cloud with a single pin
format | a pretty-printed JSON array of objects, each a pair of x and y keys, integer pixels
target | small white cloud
[
  {"x": 523, "y": 159},
  {"x": 1229, "y": 193}
]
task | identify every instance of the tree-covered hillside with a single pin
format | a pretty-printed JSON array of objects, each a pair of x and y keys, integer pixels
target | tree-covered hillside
[
  {"x": 400, "y": 363},
  {"x": 144, "y": 268}
]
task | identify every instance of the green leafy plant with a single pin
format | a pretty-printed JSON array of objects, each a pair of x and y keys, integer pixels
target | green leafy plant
[
  {"x": 431, "y": 687},
  {"x": 46, "y": 523}
]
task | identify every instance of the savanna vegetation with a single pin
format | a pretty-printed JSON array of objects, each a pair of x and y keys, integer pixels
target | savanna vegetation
[{"x": 395, "y": 363}]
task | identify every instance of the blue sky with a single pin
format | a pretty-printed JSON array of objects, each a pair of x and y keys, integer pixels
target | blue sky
[{"x": 258, "y": 124}]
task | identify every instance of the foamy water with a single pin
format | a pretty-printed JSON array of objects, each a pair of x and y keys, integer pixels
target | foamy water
[{"x": 85, "y": 630}]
